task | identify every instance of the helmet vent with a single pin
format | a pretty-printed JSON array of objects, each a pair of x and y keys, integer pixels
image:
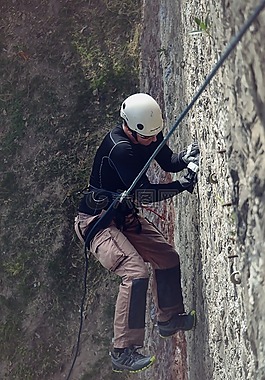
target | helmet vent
[
  {"x": 140, "y": 126},
  {"x": 124, "y": 105}
]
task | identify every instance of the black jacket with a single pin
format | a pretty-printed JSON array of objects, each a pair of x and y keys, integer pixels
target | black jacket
[{"x": 118, "y": 161}]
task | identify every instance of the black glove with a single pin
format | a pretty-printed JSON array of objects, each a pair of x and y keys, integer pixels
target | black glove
[
  {"x": 188, "y": 181},
  {"x": 123, "y": 209},
  {"x": 191, "y": 153}
]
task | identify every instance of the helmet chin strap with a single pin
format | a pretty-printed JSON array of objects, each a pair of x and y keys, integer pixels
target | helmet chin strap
[{"x": 134, "y": 134}]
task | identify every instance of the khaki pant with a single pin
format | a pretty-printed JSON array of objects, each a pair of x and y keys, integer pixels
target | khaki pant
[{"x": 125, "y": 253}]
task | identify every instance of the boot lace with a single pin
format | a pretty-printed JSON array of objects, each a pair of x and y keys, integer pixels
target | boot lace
[{"x": 133, "y": 356}]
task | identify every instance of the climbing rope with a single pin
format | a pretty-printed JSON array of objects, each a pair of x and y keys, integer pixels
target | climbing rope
[
  {"x": 230, "y": 47},
  {"x": 81, "y": 313}
]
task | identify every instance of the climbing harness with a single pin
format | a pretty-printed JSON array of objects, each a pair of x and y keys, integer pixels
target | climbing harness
[{"x": 108, "y": 215}]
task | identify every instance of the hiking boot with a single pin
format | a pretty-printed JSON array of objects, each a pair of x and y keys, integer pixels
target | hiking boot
[
  {"x": 130, "y": 360},
  {"x": 176, "y": 323}
]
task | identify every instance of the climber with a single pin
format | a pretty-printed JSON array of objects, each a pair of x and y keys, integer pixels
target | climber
[{"x": 129, "y": 241}]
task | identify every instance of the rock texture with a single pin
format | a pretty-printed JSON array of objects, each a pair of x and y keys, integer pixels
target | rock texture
[{"x": 219, "y": 230}]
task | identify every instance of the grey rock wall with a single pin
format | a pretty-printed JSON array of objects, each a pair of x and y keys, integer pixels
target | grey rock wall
[{"x": 219, "y": 230}]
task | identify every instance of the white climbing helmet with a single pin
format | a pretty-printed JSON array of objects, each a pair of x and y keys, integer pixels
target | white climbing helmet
[{"x": 142, "y": 114}]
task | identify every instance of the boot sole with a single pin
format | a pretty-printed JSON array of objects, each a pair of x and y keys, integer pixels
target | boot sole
[{"x": 119, "y": 370}]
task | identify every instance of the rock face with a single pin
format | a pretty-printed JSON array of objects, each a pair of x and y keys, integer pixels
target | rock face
[{"x": 219, "y": 229}]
